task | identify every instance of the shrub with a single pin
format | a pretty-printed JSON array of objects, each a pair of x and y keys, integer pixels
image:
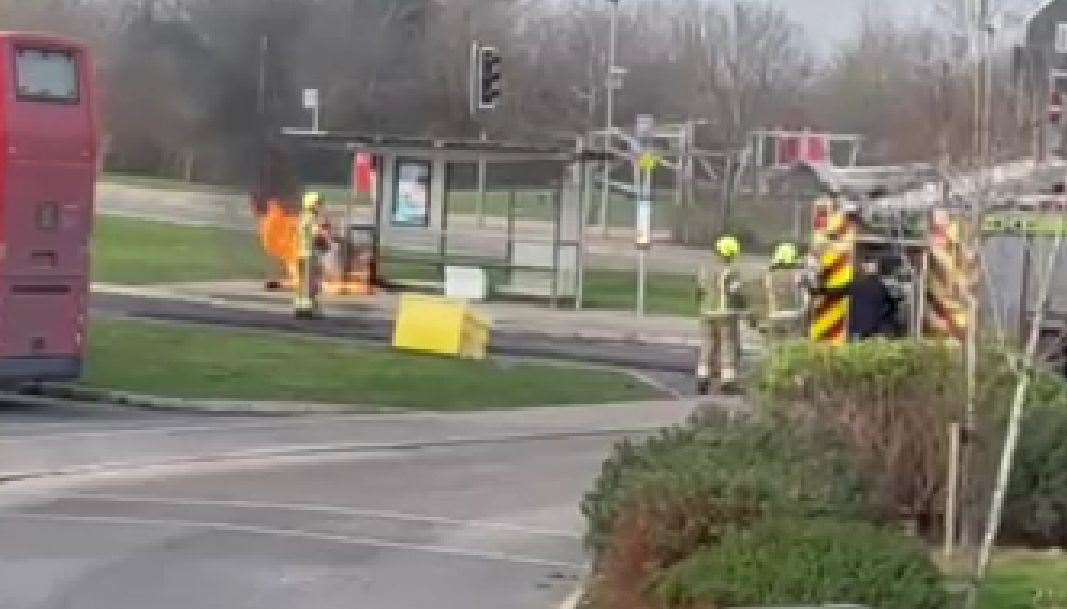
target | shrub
[
  {"x": 1035, "y": 507},
  {"x": 658, "y": 502},
  {"x": 742, "y": 466},
  {"x": 806, "y": 562},
  {"x": 891, "y": 402}
]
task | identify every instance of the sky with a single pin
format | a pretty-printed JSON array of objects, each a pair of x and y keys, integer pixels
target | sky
[{"x": 830, "y": 21}]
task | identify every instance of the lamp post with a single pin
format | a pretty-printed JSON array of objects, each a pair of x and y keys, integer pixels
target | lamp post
[{"x": 611, "y": 82}]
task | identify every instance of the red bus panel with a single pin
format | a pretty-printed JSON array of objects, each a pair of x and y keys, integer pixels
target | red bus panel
[{"x": 48, "y": 165}]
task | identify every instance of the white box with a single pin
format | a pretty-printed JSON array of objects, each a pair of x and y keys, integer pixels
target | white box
[{"x": 468, "y": 283}]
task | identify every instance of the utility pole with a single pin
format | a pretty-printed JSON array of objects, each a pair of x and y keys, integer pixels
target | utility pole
[
  {"x": 264, "y": 49},
  {"x": 987, "y": 86},
  {"x": 610, "y": 84}
]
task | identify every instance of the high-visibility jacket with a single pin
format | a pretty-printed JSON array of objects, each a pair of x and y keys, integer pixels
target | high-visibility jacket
[
  {"x": 308, "y": 231},
  {"x": 783, "y": 290},
  {"x": 723, "y": 291}
]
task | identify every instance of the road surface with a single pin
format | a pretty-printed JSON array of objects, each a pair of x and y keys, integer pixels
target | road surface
[{"x": 132, "y": 509}]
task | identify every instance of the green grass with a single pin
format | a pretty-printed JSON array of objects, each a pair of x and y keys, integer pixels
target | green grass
[
  {"x": 141, "y": 252},
  {"x": 667, "y": 294},
  {"x": 206, "y": 363},
  {"x": 1026, "y": 580},
  {"x": 144, "y": 181},
  {"x": 131, "y": 251}
]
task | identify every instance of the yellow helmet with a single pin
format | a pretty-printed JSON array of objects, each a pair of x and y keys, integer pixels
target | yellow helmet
[
  {"x": 786, "y": 254},
  {"x": 312, "y": 201},
  {"x": 728, "y": 247}
]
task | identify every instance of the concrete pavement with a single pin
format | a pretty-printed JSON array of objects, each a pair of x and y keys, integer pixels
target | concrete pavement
[{"x": 388, "y": 512}]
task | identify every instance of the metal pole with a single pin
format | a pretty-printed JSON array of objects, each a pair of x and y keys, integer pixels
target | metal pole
[
  {"x": 987, "y": 91},
  {"x": 480, "y": 200},
  {"x": 679, "y": 217},
  {"x": 556, "y": 207},
  {"x": 952, "y": 483},
  {"x": 347, "y": 265},
  {"x": 583, "y": 206},
  {"x": 609, "y": 110},
  {"x": 645, "y": 204},
  {"x": 642, "y": 277},
  {"x": 975, "y": 41},
  {"x": 264, "y": 46},
  {"x": 1024, "y": 288},
  {"x": 690, "y": 177},
  {"x": 920, "y": 297},
  {"x": 639, "y": 193},
  {"x": 796, "y": 220}
]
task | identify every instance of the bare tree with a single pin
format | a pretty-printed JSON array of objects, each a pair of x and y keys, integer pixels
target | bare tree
[{"x": 747, "y": 65}]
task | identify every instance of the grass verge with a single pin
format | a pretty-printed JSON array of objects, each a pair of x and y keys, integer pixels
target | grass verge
[
  {"x": 667, "y": 294},
  {"x": 142, "y": 252},
  {"x": 160, "y": 183},
  {"x": 1026, "y": 580},
  {"x": 134, "y": 252},
  {"x": 207, "y": 363}
]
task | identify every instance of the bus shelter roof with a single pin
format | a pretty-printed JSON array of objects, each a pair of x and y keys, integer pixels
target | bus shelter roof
[{"x": 446, "y": 148}]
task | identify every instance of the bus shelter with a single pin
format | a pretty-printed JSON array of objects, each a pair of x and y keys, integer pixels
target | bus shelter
[{"x": 512, "y": 213}]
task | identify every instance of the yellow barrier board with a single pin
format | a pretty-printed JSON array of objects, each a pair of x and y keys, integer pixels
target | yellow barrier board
[{"x": 432, "y": 324}]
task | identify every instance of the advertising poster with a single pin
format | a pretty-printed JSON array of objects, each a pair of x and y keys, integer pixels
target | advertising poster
[{"x": 412, "y": 205}]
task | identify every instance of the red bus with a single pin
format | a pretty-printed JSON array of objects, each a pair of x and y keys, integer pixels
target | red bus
[{"x": 48, "y": 168}]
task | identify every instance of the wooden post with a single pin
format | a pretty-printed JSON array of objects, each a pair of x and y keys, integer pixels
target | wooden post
[{"x": 1024, "y": 288}]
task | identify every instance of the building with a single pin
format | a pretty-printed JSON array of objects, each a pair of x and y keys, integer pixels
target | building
[{"x": 1040, "y": 68}]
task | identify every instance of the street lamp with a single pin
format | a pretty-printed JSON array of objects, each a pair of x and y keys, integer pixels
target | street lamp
[{"x": 612, "y": 81}]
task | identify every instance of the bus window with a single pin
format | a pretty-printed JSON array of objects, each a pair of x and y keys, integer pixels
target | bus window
[{"x": 49, "y": 76}]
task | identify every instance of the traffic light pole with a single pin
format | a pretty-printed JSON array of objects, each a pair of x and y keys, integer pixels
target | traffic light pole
[{"x": 474, "y": 80}]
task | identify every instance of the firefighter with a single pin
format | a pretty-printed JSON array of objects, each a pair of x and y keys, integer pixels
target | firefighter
[
  {"x": 786, "y": 298},
  {"x": 306, "y": 293},
  {"x": 721, "y": 308},
  {"x": 873, "y": 308}
]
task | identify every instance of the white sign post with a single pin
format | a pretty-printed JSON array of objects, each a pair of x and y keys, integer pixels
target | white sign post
[
  {"x": 311, "y": 102},
  {"x": 644, "y": 131},
  {"x": 646, "y": 165}
]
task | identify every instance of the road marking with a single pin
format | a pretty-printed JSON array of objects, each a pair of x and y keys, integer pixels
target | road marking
[
  {"x": 299, "y": 534},
  {"x": 318, "y": 508}
]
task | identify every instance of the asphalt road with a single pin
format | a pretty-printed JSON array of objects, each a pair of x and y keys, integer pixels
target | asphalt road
[{"x": 136, "y": 509}]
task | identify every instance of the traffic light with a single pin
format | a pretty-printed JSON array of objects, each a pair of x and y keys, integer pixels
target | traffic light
[{"x": 489, "y": 77}]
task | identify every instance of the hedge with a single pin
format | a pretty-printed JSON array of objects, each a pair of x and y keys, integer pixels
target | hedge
[{"x": 806, "y": 562}]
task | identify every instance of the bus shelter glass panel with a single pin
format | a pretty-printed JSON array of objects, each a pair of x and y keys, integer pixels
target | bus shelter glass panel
[
  {"x": 476, "y": 226},
  {"x": 533, "y": 191}
]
